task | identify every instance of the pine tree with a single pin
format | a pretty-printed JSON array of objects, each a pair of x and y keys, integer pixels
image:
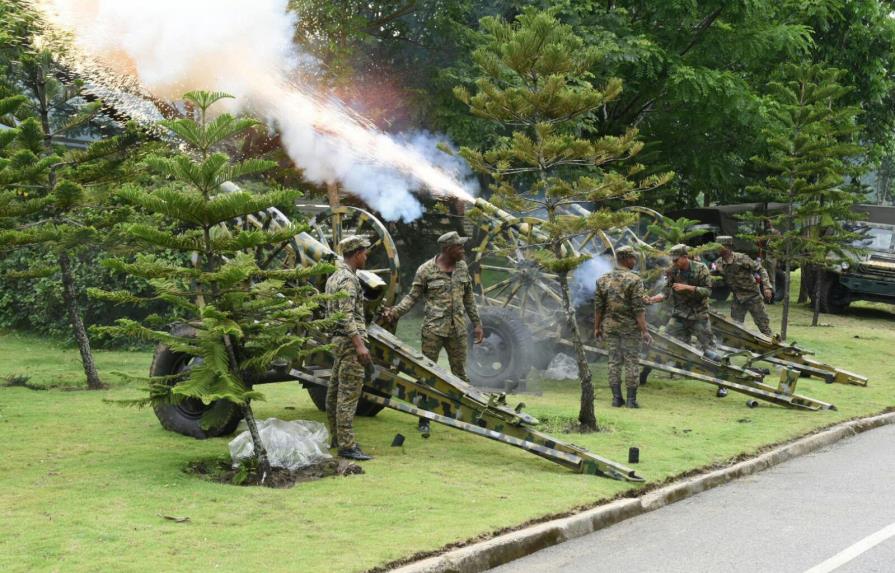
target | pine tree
[
  {"x": 675, "y": 231},
  {"x": 810, "y": 144},
  {"x": 248, "y": 307},
  {"x": 50, "y": 193},
  {"x": 535, "y": 84}
]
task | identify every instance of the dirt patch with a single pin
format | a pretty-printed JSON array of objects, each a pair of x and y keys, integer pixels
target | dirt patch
[{"x": 220, "y": 470}]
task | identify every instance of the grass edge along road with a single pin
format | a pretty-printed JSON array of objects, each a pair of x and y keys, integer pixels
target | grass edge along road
[{"x": 86, "y": 485}]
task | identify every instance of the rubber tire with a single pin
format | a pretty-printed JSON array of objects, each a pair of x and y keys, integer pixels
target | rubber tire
[
  {"x": 517, "y": 339},
  {"x": 185, "y": 418},
  {"x": 832, "y": 294},
  {"x": 720, "y": 293}
]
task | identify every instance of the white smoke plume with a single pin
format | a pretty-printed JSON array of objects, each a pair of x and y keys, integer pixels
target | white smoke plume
[
  {"x": 246, "y": 49},
  {"x": 584, "y": 280}
]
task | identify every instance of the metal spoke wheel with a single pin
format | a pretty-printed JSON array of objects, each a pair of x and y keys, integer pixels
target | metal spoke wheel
[
  {"x": 506, "y": 275},
  {"x": 331, "y": 225}
]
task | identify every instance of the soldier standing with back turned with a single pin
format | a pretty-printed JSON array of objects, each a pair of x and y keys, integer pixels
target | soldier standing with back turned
[
  {"x": 349, "y": 337},
  {"x": 445, "y": 282},
  {"x": 620, "y": 315},
  {"x": 739, "y": 272}
]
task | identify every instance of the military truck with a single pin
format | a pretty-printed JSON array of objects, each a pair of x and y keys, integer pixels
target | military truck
[{"x": 869, "y": 275}]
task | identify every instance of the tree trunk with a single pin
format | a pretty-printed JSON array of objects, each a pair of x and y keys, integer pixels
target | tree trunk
[
  {"x": 808, "y": 275},
  {"x": 70, "y": 296},
  {"x": 249, "y": 416},
  {"x": 819, "y": 280},
  {"x": 586, "y": 416},
  {"x": 784, "y": 318},
  {"x": 260, "y": 450}
]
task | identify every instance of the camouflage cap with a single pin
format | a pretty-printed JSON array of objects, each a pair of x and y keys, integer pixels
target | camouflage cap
[
  {"x": 626, "y": 251},
  {"x": 452, "y": 238},
  {"x": 726, "y": 240},
  {"x": 678, "y": 250},
  {"x": 353, "y": 243}
]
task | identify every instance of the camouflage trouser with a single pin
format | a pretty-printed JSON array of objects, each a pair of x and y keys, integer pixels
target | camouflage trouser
[
  {"x": 624, "y": 350},
  {"x": 345, "y": 387},
  {"x": 454, "y": 344},
  {"x": 754, "y": 306},
  {"x": 685, "y": 328}
]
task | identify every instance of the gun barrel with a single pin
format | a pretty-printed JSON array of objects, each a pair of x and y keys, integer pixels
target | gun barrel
[{"x": 502, "y": 216}]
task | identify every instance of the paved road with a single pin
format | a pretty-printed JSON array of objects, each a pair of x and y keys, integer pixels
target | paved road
[{"x": 817, "y": 513}]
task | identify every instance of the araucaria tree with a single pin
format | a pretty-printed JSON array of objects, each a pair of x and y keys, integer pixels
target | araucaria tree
[
  {"x": 811, "y": 143},
  {"x": 247, "y": 306},
  {"x": 50, "y": 192},
  {"x": 535, "y": 84}
]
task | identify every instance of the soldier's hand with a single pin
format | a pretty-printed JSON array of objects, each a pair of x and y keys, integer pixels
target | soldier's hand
[
  {"x": 388, "y": 314},
  {"x": 363, "y": 355},
  {"x": 680, "y": 287},
  {"x": 768, "y": 293},
  {"x": 479, "y": 333},
  {"x": 646, "y": 337},
  {"x": 598, "y": 333}
]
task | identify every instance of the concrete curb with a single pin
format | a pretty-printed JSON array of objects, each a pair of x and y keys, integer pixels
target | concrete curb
[{"x": 505, "y": 548}]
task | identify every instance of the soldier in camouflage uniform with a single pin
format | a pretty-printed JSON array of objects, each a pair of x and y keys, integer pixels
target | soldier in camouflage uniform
[
  {"x": 739, "y": 272},
  {"x": 688, "y": 286},
  {"x": 349, "y": 346},
  {"x": 620, "y": 315},
  {"x": 445, "y": 282}
]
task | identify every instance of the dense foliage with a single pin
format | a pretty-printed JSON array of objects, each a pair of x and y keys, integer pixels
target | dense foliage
[
  {"x": 534, "y": 82},
  {"x": 695, "y": 72},
  {"x": 246, "y": 310}
]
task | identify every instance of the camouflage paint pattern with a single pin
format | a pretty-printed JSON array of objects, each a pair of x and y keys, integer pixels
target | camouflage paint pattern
[
  {"x": 426, "y": 387},
  {"x": 779, "y": 353},
  {"x": 680, "y": 359}
]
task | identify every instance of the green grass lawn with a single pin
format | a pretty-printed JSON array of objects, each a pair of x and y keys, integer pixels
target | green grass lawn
[{"x": 84, "y": 485}]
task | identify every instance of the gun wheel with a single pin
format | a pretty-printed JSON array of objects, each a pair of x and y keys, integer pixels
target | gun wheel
[
  {"x": 331, "y": 225},
  {"x": 506, "y": 275}
]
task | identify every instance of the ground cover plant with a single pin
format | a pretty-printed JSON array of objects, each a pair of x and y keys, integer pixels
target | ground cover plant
[{"x": 89, "y": 486}]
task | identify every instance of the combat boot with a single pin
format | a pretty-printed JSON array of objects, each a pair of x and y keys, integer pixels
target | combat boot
[
  {"x": 632, "y": 398},
  {"x": 617, "y": 400},
  {"x": 354, "y": 453}
]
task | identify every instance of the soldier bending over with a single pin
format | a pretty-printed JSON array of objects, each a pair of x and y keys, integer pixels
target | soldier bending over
[{"x": 739, "y": 271}]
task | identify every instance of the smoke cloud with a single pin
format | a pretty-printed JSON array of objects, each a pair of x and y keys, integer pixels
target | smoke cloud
[
  {"x": 584, "y": 280},
  {"x": 246, "y": 49}
]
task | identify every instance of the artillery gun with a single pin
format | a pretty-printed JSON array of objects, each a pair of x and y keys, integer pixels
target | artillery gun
[
  {"x": 524, "y": 324},
  {"x": 401, "y": 379}
]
